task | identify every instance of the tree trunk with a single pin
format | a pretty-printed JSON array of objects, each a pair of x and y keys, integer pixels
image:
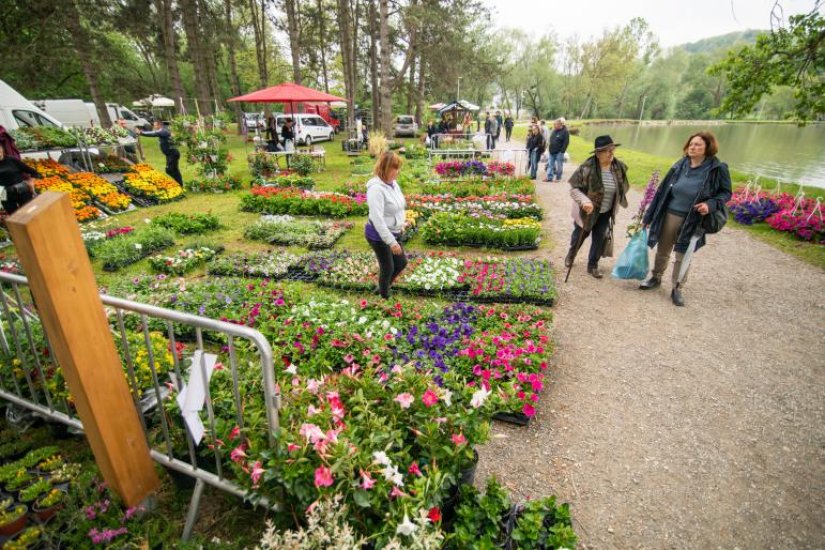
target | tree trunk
[
  {"x": 385, "y": 89},
  {"x": 346, "y": 39},
  {"x": 419, "y": 98},
  {"x": 411, "y": 86},
  {"x": 374, "y": 27},
  {"x": 234, "y": 80},
  {"x": 259, "y": 29},
  {"x": 167, "y": 27},
  {"x": 190, "y": 25},
  {"x": 85, "y": 54},
  {"x": 323, "y": 44},
  {"x": 293, "y": 29}
]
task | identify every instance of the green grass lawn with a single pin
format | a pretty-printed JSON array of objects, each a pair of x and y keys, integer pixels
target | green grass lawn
[{"x": 338, "y": 172}]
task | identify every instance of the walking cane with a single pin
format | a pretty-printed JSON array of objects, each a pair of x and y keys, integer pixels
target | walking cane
[{"x": 581, "y": 238}]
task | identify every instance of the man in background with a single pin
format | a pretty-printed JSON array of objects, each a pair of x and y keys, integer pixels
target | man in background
[
  {"x": 168, "y": 148},
  {"x": 559, "y": 140}
]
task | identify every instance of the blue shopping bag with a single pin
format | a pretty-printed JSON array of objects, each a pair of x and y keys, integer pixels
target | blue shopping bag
[{"x": 633, "y": 263}]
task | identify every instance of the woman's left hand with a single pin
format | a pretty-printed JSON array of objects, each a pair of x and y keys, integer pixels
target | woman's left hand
[{"x": 702, "y": 208}]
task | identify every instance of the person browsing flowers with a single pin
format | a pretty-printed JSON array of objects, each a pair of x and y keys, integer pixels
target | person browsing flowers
[
  {"x": 16, "y": 185},
  {"x": 697, "y": 185},
  {"x": 387, "y": 207},
  {"x": 598, "y": 187}
]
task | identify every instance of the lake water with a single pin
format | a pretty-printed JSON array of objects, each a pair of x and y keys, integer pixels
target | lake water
[{"x": 783, "y": 152}]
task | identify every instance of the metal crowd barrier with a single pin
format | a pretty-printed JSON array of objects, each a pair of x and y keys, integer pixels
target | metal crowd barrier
[
  {"x": 22, "y": 338},
  {"x": 518, "y": 157}
]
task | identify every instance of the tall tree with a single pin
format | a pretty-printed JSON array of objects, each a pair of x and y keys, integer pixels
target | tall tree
[
  {"x": 792, "y": 55},
  {"x": 347, "y": 24},
  {"x": 85, "y": 51},
  {"x": 197, "y": 55},
  {"x": 293, "y": 10},
  {"x": 168, "y": 34},
  {"x": 258, "y": 14}
]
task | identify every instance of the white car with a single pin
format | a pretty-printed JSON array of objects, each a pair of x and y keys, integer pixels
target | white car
[
  {"x": 308, "y": 128},
  {"x": 405, "y": 125},
  {"x": 254, "y": 120}
]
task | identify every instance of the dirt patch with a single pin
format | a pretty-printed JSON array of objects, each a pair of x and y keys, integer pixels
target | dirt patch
[{"x": 666, "y": 427}]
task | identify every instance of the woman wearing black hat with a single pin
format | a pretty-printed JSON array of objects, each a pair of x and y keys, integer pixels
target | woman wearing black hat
[
  {"x": 598, "y": 187},
  {"x": 695, "y": 187}
]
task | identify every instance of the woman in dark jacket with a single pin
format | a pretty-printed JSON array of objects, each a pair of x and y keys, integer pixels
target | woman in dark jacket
[
  {"x": 598, "y": 188},
  {"x": 535, "y": 147},
  {"x": 16, "y": 185},
  {"x": 696, "y": 186}
]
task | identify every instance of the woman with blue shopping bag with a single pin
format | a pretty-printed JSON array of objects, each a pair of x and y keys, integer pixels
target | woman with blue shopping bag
[{"x": 689, "y": 204}]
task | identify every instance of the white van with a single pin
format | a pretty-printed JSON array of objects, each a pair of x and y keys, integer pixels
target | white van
[
  {"x": 308, "y": 128},
  {"x": 71, "y": 112},
  {"x": 133, "y": 121},
  {"x": 18, "y": 112}
]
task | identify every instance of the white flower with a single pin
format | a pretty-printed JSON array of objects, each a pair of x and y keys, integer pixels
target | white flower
[
  {"x": 479, "y": 398},
  {"x": 292, "y": 369},
  {"x": 447, "y": 397},
  {"x": 138, "y": 246},
  {"x": 381, "y": 458},
  {"x": 406, "y": 527}
]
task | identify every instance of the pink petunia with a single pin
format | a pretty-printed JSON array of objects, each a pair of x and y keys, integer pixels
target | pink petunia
[
  {"x": 396, "y": 492},
  {"x": 459, "y": 439},
  {"x": 405, "y": 400},
  {"x": 312, "y": 432},
  {"x": 429, "y": 398},
  {"x": 414, "y": 469},
  {"x": 529, "y": 410},
  {"x": 367, "y": 482},
  {"x": 257, "y": 472},
  {"x": 292, "y": 447},
  {"x": 323, "y": 477},
  {"x": 238, "y": 453},
  {"x": 235, "y": 433}
]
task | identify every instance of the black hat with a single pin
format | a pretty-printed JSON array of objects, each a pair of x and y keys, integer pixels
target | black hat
[{"x": 603, "y": 142}]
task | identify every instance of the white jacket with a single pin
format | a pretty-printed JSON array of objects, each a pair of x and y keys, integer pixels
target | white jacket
[{"x": 386, "y": 203}]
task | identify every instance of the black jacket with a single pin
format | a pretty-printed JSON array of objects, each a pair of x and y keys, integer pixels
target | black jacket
[
  {"x": 559, "y": 140},
  {"x": 167, "y": 143},
  {"x": 716, "y": 191},
  {"x": 535, "y": 142}
]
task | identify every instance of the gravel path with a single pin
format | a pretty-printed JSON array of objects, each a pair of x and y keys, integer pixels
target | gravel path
[{"x": 694, "y": 427}]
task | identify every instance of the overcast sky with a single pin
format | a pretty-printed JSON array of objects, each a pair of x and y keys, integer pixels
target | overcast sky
[{"x": 674, "y": 22}]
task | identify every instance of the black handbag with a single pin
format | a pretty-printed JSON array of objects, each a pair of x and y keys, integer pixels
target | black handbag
[{"x": 716, "y": 220}]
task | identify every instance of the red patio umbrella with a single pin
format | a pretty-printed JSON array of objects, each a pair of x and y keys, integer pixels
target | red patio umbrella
[{"x": 290, "y": 93}]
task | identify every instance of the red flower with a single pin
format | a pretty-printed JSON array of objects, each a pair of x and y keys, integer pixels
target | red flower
[{"x": 434, "y": 514}]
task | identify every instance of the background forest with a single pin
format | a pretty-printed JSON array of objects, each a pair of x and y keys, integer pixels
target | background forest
[{"x": 387, "y": 57}]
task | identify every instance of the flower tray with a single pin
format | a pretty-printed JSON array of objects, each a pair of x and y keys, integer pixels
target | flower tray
[
  {"x": 481, "y": 245},
  {"x": 517, "y": 418},
  {"x": 298, "y": 274},
  {"x": 110, "y": 212}
]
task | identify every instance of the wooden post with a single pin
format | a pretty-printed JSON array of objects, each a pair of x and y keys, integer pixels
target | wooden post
[{"x": 48, "y": 242}]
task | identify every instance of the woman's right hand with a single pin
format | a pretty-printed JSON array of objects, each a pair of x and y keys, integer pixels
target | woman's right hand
[
  {"x": 396, "y": 249},
  {"x": 588, "y": 208}
]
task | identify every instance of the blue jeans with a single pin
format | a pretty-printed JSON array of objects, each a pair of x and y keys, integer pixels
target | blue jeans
[
  {"x": 535, "y": 154},
  {"x": 554, "y": 164}
]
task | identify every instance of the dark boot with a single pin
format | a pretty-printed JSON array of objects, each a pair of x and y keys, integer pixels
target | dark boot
[
  {"x": 651, "y": 283},
  {"x": 594, "y": 271},
  {"x": 676, "y": 296},
  {"x": 568, "y": 260}
]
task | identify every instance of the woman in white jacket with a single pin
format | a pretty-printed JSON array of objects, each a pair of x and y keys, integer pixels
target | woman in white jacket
[{"x": 386, "y": 220}]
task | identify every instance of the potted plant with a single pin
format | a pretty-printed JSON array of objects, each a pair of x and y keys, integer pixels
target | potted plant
[
  {"x": 26, "y": 539},
  {"x": 13, "y": 520},
  {"x": 34, "y": 491},
  {"x": 47, "y": 506},
  {"x": 18, "y": 480},
  {"x": 64, "y": 474},
  {"x": 50, "y": 464},
  {"x": 6, "y": 503}
]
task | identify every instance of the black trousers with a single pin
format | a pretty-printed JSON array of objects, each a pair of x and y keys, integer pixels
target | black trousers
[
  {"x": 16, "y": 196},
  {"x": 389, "y": 265},
  {"x": 598, "y": 233},
  {"x": 507, "y": 133},
  {"x": 172, "y": 168}
]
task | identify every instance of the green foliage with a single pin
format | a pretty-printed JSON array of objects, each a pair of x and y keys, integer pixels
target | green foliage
[
  {"x": 117, "y": 253},
  {"x": 35, "y": 490},
  {"x": 302, "y": 164},
  {"x": 188, "y": 224},
  {"x": 792, "y": 55}
]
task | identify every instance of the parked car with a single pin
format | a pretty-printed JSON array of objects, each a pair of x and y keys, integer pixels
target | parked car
[
  {"x": 18, "y": 112},
  {"x": 133, "y": 120},
  {"x": 405, "y": 125},
  {"x": 254, "y": 120},
  {"x": 308, "y": 128},
  {"x": 71, "y": 112}
]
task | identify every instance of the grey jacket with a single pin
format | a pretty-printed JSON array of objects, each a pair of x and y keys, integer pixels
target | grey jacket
[{"x": 386, "y": 208}]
